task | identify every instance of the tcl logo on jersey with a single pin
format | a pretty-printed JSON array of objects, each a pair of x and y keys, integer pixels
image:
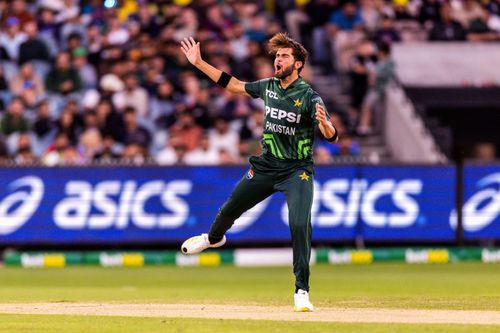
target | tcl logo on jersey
[
  {"x": 18, "y": 207},
  {"x": 120, "y": 203},
  {"x": 347, "y": 201},
  {"x": 271, "y": 94},
  {"x": 480, "y": 210}
]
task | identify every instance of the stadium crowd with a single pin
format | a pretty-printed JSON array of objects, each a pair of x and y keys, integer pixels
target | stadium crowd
[{"x": 105, "y": 81}]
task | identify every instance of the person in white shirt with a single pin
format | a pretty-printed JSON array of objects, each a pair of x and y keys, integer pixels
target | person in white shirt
[
  {"x": 223, "y": 138},
  {"x": 133, "y": 95},
  {"x": 13, "y": 37},
  {"x": 203, "y": 155}
]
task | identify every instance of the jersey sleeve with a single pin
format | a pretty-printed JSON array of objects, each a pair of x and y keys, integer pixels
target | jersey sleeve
[
  {"x": 256, "y": 89},
  {"x": 315, "y": 98}
]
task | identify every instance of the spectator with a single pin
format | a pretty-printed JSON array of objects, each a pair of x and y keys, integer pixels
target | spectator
[
  {"x": 108, "y": 153},
  {"x": 387, "y": 33},
  {"x": 14, "y": 121},
  {"x": 429, "y": 12},
  {"x": 238, "y": 43},
  {"x": 43, "y": 124},
  {"x": 133, "y": 96},
  {"x": 174, "y": 153},
  {"x": 62, "y": 78},
  {"x": 134, "y": 154},
  {"x": 346, "y": 146},
  {"x": 68, "y": 125},
  {"x": 203, "y": 155},
  {"x": 85, "y": 70},
  {"x": 90, "y": 140},
  {"x": 378, "y": 80},
  {"x": 447, "y": 29},
  {"x": 73, "y": 41},
  {"x": 251, "y": 133},
  {"x": 48, "y": 28},
  {"x": 90, "y": 144},
  {"x": 61, "y": 152},
  {"x": 322, "y": 155},
  {"x": 257, "y": 30},
  {"x": 34, "y": 48},
  {"x": 109, "y": 121},
  {"x": 466, "y": 12},
  {"x": 24, "y": 152},
  {"x": 3, "y": 82},
  {"x": 187, "y": 131},
  {"x": 134, "y": 133},
  {"x": 68, "y": 10},
  {"x": 222, "y": 138},
  {"x": 147, "y": 20},
  {"x": 94, "y": 44},
  {"x": 117, "y": 34},
  {"x": 479, "y": 29},
  {"x": 27, "y": 85},
  {"x": 361, "y": 65},
  {"x": 319, "y": 13},
  {"x": 345, "y": 31},
  {"x": 12, "y": 38},
  {"x": 162, "y": 104},
  {"x": 20, "y": 12}
]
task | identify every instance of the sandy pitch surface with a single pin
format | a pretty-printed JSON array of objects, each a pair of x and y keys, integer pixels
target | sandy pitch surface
[{"x": 211, "y": 311}]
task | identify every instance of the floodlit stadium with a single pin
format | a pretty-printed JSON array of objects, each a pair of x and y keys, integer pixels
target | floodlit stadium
[{"x": 232, "y": 166}]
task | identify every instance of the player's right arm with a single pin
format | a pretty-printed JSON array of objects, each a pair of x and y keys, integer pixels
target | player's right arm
[{"x": 191, "y": 50}]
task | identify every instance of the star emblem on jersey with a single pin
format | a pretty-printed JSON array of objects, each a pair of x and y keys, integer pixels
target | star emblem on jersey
[
  {"x": 304, "y": 176},
  {"x": 297, "y": 102}
]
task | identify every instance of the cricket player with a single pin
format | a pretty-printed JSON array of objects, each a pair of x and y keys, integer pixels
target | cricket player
[{"x": 292, "y": 112}]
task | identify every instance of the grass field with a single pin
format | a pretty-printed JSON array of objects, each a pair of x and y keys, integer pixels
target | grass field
[{"x": 465, "y": 286}]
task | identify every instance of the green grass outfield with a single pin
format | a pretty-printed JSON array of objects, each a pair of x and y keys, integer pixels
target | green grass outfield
[{"x": 461, "y": 286}]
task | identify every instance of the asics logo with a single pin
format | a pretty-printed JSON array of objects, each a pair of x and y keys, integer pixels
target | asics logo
[
  {"x": 18, "y": 207},
  {"x": 483, "y": 207}
]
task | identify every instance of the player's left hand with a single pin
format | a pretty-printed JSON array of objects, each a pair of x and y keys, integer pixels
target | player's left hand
[{"x": 321, "y": 114}]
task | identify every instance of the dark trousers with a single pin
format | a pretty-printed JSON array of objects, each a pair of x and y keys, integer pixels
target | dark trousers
[{"x": 267, "y": 176}]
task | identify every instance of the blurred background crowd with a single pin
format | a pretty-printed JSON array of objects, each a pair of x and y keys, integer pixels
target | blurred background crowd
[{"x": 96, "y": 81}]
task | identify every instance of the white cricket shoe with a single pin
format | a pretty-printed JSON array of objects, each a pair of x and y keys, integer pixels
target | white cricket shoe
[
  {"x": 199, "y": 243},
  {"x": 302, "y": 304}
]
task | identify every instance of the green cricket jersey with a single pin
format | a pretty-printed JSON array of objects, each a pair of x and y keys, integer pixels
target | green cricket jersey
[{"x": 290, "y": 120}]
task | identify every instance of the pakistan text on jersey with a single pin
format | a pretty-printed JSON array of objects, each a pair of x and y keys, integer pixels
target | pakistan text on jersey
[{"x": 279, "y": 128}]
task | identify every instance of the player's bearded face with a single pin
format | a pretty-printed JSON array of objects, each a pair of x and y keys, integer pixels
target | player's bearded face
[{"x": 281, "y": 71}]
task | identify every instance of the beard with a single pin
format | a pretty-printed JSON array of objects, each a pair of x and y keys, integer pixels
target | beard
[{"x": 285, "y": 71}]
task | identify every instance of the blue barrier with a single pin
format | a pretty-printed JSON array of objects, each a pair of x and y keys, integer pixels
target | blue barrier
[{"x": 125, "y": 205}]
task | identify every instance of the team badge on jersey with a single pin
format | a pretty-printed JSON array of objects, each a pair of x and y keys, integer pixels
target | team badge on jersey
[
  {"x": 304, "y": 176},
  {"x": 250, "y": 174}
]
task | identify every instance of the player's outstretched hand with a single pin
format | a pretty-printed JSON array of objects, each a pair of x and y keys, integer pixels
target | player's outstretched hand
[
  {"x": 191, "y": 50},
  {"x": 321, "y": 114}
]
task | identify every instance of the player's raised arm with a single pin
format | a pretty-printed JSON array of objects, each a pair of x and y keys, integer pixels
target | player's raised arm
[
  {"x": 325, "y": 125},
  {"x": 191, "y": 49}
]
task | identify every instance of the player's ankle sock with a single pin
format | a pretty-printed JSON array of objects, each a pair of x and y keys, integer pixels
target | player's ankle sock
[{"x": 214, "y": 240}]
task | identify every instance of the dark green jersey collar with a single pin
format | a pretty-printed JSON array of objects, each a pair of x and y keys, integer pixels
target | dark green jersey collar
[{"x": 293, "y": 85}]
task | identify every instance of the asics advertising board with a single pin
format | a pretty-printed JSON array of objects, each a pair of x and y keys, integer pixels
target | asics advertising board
[
  {"x": 156, "y": 205},
  {"x": 481, "y": 206}
]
